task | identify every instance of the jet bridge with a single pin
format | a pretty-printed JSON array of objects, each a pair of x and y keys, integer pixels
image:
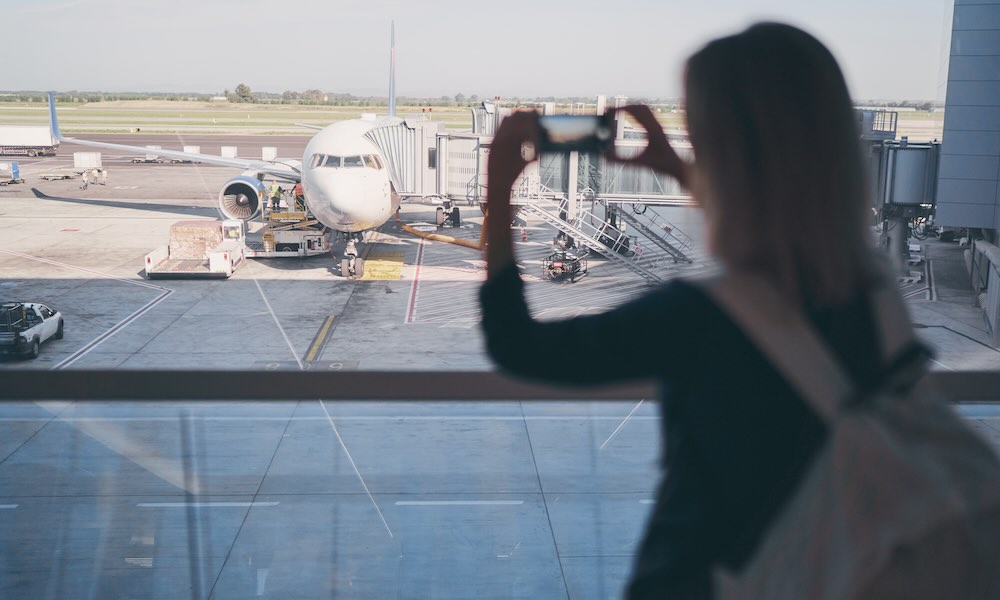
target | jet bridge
[{"x": 450, "y": 167}]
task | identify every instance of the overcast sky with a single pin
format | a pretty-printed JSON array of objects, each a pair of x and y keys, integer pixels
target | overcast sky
[{"x": 892, "y": 49}]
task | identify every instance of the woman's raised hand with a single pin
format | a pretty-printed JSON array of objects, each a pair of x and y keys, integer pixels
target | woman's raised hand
[{"x": 659, "y": 155}]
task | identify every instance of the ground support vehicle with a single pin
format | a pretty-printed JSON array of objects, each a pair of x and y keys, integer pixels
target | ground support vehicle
[
  {"x": 288, "y": 233},
  {"x": 27, "y": 140},
  {"x": 10, "y": 173},
  {"x": 25, "y": 325},
  {"x": 564, "y": 265},
  {"x": 199, "y": 248},
  {"x": 151, "y": 157}
]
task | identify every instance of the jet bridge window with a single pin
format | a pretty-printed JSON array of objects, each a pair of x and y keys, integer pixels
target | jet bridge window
[{"x": 353, "y": 161}]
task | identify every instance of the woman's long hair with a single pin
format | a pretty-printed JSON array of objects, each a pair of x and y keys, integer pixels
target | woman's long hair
[{"x": 778, "y": 164}]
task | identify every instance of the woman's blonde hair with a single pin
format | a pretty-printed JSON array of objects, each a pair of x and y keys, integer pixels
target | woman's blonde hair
[{"x": 778, "y": 164}]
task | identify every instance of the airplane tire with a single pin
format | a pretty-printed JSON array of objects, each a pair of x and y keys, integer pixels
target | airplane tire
[
  {"x": 59, "y": 332},
  {"x": 32, "y": 153},
  {"x": 359, "y": 268},
  {"x": 439, "y": 216}
]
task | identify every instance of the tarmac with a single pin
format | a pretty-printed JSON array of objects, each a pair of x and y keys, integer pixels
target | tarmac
[{"x": 314, "y": 499}]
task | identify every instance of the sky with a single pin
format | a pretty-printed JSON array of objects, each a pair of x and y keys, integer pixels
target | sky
[{"x": 889, "y": 49}]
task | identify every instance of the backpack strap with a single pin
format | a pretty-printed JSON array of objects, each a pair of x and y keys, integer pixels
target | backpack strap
[
  {"x": 795, "y": 348},
  {"x": 784, "y": 336}
]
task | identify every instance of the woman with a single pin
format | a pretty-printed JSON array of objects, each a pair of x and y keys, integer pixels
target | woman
[{"x": 779, "y": 174}]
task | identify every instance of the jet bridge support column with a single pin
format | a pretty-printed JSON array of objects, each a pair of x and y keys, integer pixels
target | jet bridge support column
[{"x": 573, "y": 168}]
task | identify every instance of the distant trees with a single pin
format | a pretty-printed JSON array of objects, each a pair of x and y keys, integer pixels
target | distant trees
[{"x": 242, "y": 94}]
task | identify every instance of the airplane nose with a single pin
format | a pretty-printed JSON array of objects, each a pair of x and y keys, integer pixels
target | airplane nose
[{"x": 340, "y": 199}]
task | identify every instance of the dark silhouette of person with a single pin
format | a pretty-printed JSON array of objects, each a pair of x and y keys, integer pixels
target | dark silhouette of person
[{"x": 773, "y": 132}]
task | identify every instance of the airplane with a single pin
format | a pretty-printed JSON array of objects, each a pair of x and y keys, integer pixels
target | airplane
[{"x": 344, "y": 177}]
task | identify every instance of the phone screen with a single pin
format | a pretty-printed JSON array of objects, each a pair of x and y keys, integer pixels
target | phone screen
[{"x": 585, "y": 133}]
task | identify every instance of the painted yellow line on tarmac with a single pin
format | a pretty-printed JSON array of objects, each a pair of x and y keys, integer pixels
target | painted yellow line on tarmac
[
  {"x": 320, "y": 340},
  {"x": 384, "y": 265}
]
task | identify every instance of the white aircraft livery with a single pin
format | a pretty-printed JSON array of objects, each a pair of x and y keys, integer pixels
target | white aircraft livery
[{"x": 344, "y": 178}]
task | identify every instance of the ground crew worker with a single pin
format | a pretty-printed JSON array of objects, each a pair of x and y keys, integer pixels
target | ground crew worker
[
  {"x": 300, "y": 198},
  {"x": 86, "y": 180},
  {"x": 275, "y": 196}
]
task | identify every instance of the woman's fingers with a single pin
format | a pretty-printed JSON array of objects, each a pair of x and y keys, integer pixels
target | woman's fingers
[{"x": 658, "y": 154}]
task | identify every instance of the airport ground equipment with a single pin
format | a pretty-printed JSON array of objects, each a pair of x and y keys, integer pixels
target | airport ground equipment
[
  {"x": 199, "y": 248},
  {"x": 151, "y": 157},
  {"x": 25, "y": 325},
  {"x": 564, "y": 265},
  {"x": 87, "y": 160},
  {"x": 655, "y": 245},
  {"x": 184, "y": 161},
  {"x": 10, "y": 173},
  {"x": 27, "y": 140},
  {"x": 286, "y": 230}
]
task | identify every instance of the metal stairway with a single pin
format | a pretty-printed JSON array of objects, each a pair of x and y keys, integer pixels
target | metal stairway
[
  {"x": 643, "y": 254},
  {"x": 671, "y": 240}
]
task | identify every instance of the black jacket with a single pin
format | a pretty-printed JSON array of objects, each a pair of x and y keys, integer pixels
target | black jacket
[{"x": 737, "y": 437}]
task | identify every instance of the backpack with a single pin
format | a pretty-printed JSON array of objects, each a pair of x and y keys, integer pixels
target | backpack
[{"x": 903, "y": 498}]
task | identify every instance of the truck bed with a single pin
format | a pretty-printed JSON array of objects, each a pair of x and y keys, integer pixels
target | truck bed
[{"x": 179, "y": 268}]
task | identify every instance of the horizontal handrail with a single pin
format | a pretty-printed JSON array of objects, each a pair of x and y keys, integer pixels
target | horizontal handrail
[{"x": 203, "y": 385}]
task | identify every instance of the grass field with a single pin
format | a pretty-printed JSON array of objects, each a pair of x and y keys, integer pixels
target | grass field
[{"x": 220, "y": 117}]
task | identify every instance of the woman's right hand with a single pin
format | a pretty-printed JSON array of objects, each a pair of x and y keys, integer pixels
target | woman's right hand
[{"x": 659, "y": 155}]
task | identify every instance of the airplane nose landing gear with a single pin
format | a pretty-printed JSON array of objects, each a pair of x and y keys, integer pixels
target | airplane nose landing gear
[{"x": 351, "y": 266}]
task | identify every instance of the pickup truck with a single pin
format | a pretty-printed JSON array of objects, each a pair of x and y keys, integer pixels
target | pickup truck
[{"x": 25, "y": 325}]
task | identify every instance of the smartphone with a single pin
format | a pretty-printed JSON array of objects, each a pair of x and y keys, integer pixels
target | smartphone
[{"x": 575, "y": 133}]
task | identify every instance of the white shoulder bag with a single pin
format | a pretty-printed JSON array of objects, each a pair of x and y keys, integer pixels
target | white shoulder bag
[{"x": 902, "y": 500}]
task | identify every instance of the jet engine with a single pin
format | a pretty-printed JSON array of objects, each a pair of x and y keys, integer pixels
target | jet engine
[{"x": 242, "y": 197}]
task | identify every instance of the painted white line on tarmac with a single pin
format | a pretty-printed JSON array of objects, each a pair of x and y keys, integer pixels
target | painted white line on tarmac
[
  {"x": 72, "y": 358},
  {"x": 8, "y": 505},
  {"x": 280, "y": 328},
  {"x": 204, "y": 504},
  {"x": 355, "y": 467},
  {"x": 941, "y": 364},
  {"x": 647, "y": 501},
  {"x": 626, "y": 420},
  {"x": 459, "y": 502},
  {"x": 413, "y": 286}
]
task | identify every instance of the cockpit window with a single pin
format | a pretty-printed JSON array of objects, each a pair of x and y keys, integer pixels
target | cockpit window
[
  {"x": 332, "y": 161},
  {"x": 353, "y": 161},
  {"x": 370, "y": 161},
  {"x": 378, "y": 162},
  {"x": 316, "y": 160}
]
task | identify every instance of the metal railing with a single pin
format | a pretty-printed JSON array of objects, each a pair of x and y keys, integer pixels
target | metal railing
[{"x": 181, "y": 385}]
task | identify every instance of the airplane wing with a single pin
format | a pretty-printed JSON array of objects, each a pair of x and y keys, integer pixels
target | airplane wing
[{"x": 274, "y": 169}]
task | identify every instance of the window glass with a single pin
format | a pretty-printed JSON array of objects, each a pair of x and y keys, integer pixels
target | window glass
[
  {"x": 332, "y": 161},
  {"x": 317, "y": 160},
  {"x": 46, "y": 313},
  {"x": 378, "y": 162},
  {"x": 370, "y": 161},
  {"x": 353, "y": 161}
]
